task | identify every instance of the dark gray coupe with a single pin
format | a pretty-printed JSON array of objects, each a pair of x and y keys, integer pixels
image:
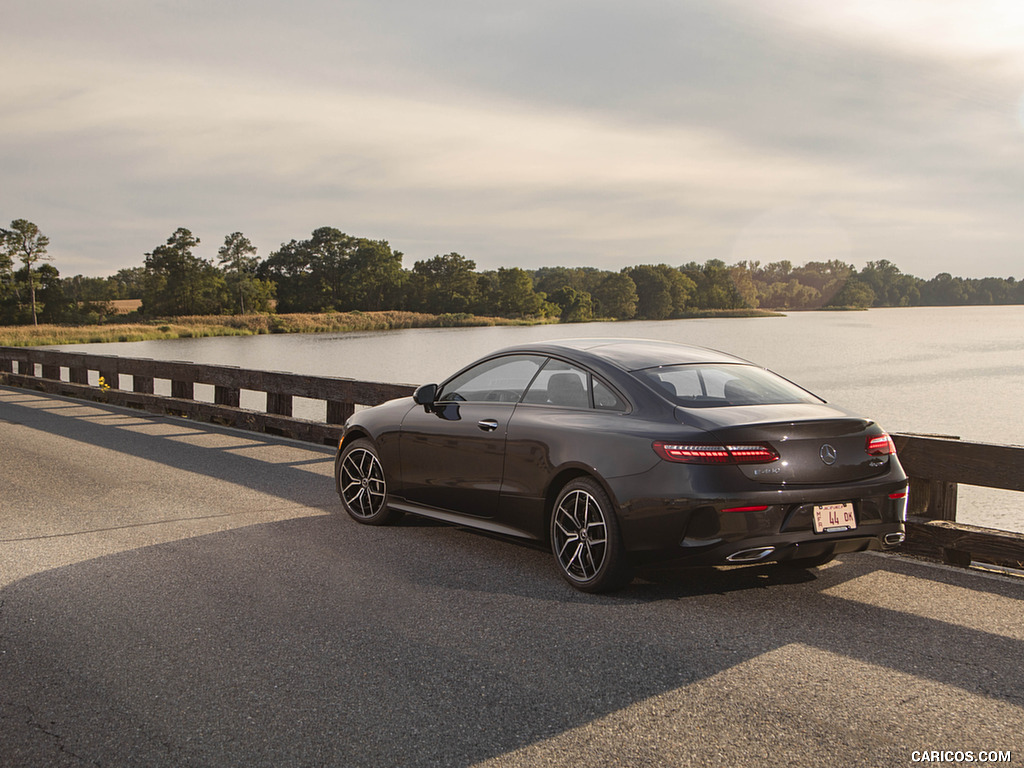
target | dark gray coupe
[{"x": 621, "y": 452}]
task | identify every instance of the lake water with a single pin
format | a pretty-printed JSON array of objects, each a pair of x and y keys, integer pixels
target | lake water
[{"x": 936, "y": 370}]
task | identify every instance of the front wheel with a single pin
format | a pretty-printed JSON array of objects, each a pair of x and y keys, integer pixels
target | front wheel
[
  {"x": 585, "y": 538},
  {"x": 362, "y": 485}
]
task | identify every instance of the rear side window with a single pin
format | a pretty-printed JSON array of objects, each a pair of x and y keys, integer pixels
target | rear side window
[
  {"x": 703, "y": 385},
  {"x": 568, "y": 386},
  {"x": 605, "y": 398}
]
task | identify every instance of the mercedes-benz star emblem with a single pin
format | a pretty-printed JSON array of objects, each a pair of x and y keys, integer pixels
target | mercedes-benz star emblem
[{"x": 828, "y": 454}]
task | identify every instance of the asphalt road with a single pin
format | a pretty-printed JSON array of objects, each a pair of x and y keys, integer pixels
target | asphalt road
[{"x": 173, "y": 594}]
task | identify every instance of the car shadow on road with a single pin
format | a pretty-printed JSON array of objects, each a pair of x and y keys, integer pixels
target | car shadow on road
[{"x": 319, "y": 641}]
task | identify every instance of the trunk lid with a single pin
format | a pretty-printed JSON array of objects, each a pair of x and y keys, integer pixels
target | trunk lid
[{"x": 821, "y": 446}]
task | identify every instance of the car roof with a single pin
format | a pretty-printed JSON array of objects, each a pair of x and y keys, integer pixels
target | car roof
[{"x": 629, "y": 354}]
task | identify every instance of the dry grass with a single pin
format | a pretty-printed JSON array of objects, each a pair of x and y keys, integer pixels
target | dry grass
[{"x": 238, "y": 325}]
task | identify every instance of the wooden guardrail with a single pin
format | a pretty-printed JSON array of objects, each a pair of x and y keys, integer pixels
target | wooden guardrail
[
  {"x": 68, "y": 373},
  {"x": 935, "y": 465}
]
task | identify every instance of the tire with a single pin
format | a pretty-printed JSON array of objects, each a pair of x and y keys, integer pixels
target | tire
[
  {"x": 363, "y": 486},
  {"x": 585, "y": 538}
]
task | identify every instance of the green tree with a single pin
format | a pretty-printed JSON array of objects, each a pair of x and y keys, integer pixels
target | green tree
[
  {"x": 714, "y": 287},
  {"x": 574, "y": 306},
  {"x": 24, "y": 242},
  {"x": 662, "y": 291},
  {"x": 827, "y": 277},
  {"x": 445, "y": 284},
  {"x": 515, "y": 296},
  {"x": 55, "y": 305},
  {"x": 6, "y": 264},
  {"x": 239, "y": 261},
  {"x": 376, "y": 277},
  {"x": 180, "y": 283},
  {"x": 891, "y": 287},
  {"x": 87, "y": 299},
  {"x": 743, "y": 277},
  {"x": 82, "y": 288},
  {"x": 790, "y": 295},
  {"x": 311, "y": 274},
  {"x": 128, "y": 283},
  {"x": 616, "y": 296},
  {"x": 289, "y": 269},
  {"x": 329, "y": 251},
  {"x": 946, "y": 290},
  {"x": 654, "y": 293},
  {"x": 854, "y": 293},
  {"x": 333, "y": 270}
]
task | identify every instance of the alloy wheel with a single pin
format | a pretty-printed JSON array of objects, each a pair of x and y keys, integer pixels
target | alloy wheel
[
  {"x": 363, "y": 488},
  {"x": 580, "y": 535}
]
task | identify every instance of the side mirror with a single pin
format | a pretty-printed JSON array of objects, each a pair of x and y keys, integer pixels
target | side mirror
[{"x": 425, "y": 395}]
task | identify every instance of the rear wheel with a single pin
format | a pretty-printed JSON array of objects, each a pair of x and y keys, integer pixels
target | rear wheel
[
  {"x": 362, "y": 485},
  {"x": 585, "y": 538}
]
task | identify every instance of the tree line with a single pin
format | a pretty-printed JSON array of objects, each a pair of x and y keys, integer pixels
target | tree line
[{"x": 334, "y": 271}]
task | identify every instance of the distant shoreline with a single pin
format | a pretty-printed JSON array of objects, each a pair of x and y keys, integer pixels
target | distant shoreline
[{"x": 253, "y": 325}]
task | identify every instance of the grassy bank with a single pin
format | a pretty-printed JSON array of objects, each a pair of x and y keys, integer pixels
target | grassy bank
[
  {"x": 250, "y": 325},
  {"x": 238, "y": 325}
]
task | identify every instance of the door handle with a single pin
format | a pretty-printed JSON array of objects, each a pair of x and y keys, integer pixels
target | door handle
[{"x": 487, "y": 425}]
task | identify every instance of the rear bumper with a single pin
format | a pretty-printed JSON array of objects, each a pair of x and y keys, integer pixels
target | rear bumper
[
  {"x": 763, "y": 549},
  {"x": 704, "y": 528}
]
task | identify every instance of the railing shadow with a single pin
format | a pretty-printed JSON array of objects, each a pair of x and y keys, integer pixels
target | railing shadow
[{"x": 316, "y": 641}]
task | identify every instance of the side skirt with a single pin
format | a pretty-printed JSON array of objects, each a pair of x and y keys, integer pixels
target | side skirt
[{"x": 456, "y": 519}]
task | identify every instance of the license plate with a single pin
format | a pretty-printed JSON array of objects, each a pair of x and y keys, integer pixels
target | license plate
[{"x": 830, "y": 518}]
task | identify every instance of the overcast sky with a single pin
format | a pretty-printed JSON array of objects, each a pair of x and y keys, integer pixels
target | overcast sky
[{"x": 528, "y": 133}]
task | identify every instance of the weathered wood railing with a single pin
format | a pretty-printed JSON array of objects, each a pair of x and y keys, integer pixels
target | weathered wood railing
[
  {"x": 68, "y": 373},
  {"x": 935, "y": 465}
]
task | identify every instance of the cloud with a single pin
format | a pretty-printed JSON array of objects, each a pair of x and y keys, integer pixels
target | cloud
[{"x": 540, "y": 133}]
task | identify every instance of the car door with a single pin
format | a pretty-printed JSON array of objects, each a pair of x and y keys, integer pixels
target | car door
[
  {"x": 453, "y": 452},
  {"x": 567, "y": 417}
]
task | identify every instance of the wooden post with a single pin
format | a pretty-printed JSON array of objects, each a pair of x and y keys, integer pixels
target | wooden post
[
  {"x": 142, "y": 384},
  {"x": 931, "y": 495},
  {"x": 78, "y": 374},
  {"x": 279, "y": 404},
  {"x": 183, "y": 390},
  {"x": 110, "y": 378},
  {"x": 338, "y": 412},
  {"x": 51, "y": 372},
  {"x": 932, "y": 499},
  {"x": 227, "y": 396}
]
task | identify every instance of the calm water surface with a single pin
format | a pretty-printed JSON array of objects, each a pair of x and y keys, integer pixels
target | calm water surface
[{"x": 938, "y": 370}]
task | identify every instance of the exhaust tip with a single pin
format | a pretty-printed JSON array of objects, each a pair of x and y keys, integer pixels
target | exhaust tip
[
  {"x": 893, "y": 539},
  {"x": 750, "y": 555}
]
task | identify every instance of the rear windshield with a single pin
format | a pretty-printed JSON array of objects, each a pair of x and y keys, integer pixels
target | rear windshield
[{"x": 712, "y": 385}]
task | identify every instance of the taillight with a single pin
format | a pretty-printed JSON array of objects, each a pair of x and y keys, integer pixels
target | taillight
[
  {"x": 701, "y": 453},
  {"x": 901, "y": 498},
  {"x": 880, "y": 445}
]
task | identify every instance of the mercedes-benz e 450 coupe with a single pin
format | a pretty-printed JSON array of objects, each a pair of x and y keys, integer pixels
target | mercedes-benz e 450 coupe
[{"x": 620, "y": 453}]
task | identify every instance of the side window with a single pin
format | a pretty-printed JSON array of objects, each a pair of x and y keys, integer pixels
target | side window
[
  {"x": 560, "y": 383},
  {"x": 502, "y": 379},
  {"x": 566, "y": 385},
  {"x": 605, "y": 398}
]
